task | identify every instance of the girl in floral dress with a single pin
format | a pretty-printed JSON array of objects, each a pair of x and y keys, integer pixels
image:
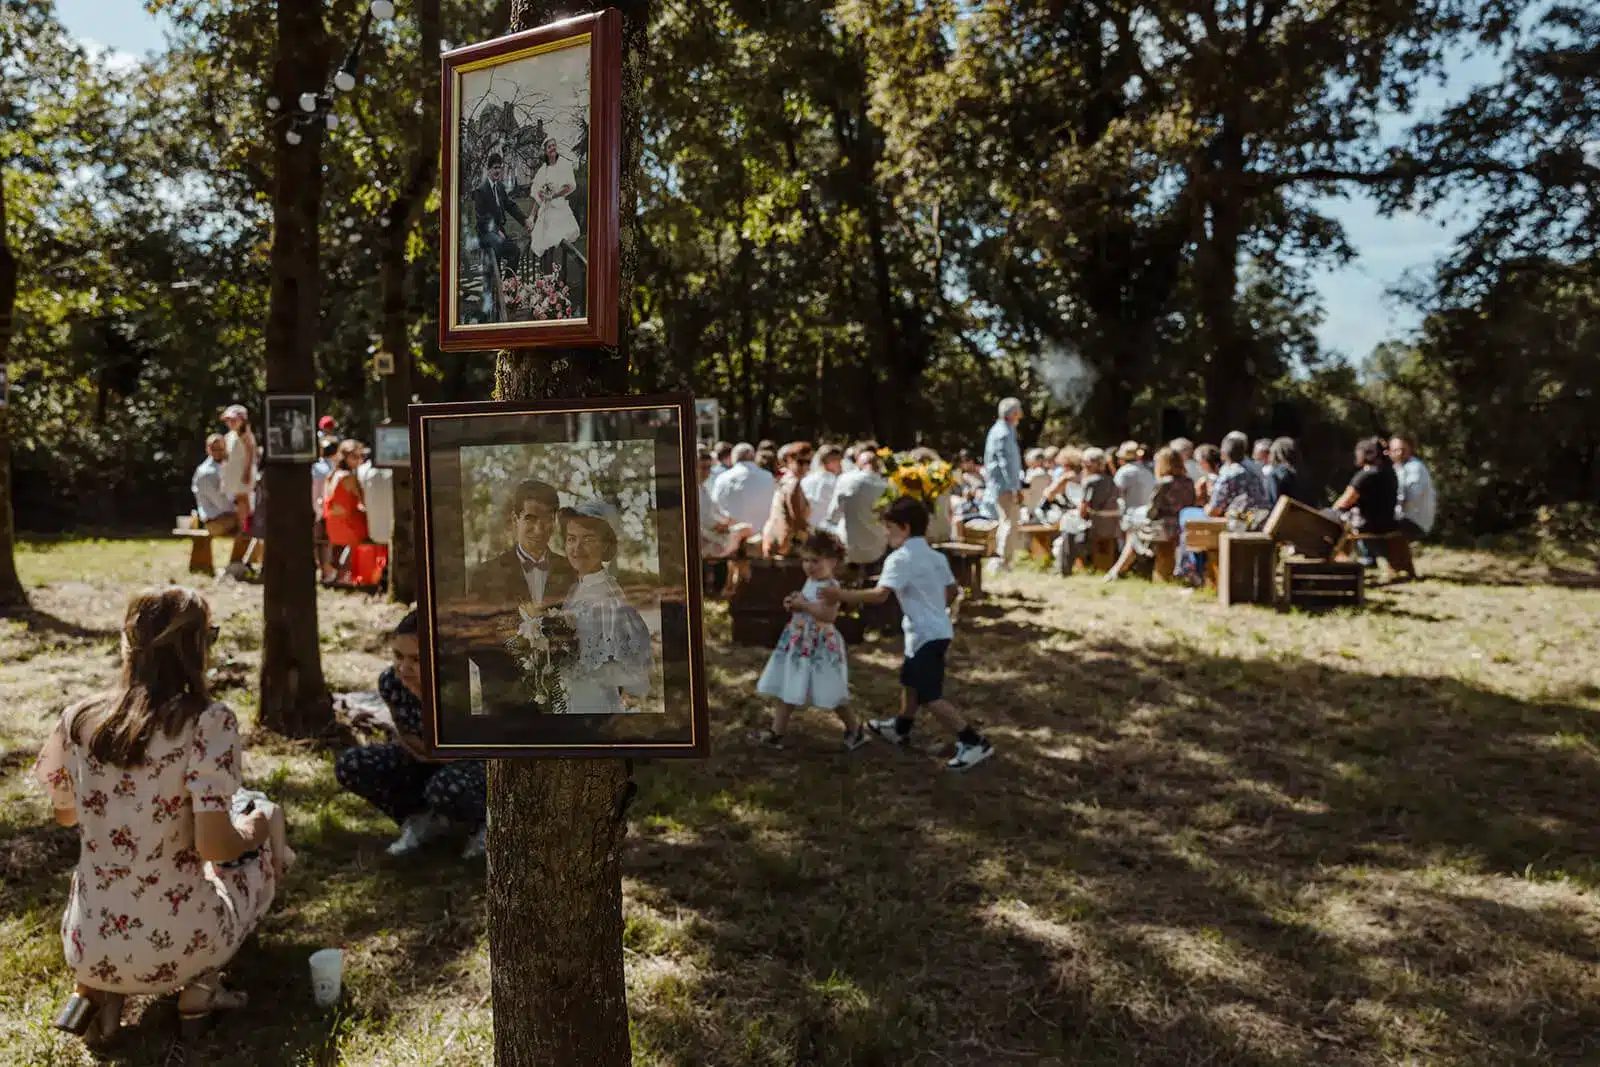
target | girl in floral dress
[
  {"x": 808, "y": 668},
  {"x": 172, "y": 875}
]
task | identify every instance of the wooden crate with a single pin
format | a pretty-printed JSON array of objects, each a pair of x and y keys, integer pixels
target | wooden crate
[
  {"x": 1244, "y": 572},
  {"x": 966, "y": 563},
  {"x": 1319, "y": 584},
  {"x": 1311, "y": 534},
  {"x": 1039, "y": 537},
  {"x": 1204, "y": 535},
  {"x": 756, "y": 606}
]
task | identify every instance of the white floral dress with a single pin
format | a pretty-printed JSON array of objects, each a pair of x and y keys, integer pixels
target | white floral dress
[
  {"x": 808, "y": 667},
  {"x": 614, "y": 651},
  {"x": 146, "y": 914}
]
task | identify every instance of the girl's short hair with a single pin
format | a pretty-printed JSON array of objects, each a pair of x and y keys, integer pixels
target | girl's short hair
[
  {"x": 1209, "y": 455},
  {"x": 823, "y": 545}
]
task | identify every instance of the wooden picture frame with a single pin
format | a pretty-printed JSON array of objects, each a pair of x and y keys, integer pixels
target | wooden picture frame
[
  {"x": 501, "y": 98},
  {"x": 289, "y": 431},
  {"x": 533, "y": 515},
  {"x": 391, "y": 445}
]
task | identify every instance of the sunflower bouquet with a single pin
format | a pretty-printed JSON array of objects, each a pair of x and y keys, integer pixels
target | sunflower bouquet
[{"x": 926, "y": 480}]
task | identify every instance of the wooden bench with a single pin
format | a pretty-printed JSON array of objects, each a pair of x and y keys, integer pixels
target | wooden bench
[
  {"x": 1245, "y": 569},
  {"x": 200, "y": 561},
  {"x": 1040, "y": 538},
  {"x": 1205, "y": 535},
  {"x": 966, "y": 563},
  {"x": 1321, "y": 584},
  {"x": 1396, "y": 551}
]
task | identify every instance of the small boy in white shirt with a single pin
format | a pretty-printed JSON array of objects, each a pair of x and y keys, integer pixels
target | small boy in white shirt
[{"x": 920, "y": 578}]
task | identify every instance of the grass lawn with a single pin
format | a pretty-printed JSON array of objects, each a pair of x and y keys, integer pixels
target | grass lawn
[{"x": 1209, "y": 836}]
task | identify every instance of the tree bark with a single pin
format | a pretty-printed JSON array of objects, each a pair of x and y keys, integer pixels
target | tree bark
[
  {"x": 393, "y": 275},
  {"x": 13, "y": 597},
  {"x": 294, "y": 696},
  {"x": 556, "y": 826},
  {"x": 1229, "y": 384}
]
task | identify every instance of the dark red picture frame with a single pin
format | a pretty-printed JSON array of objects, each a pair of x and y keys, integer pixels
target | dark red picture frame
[
  {"x": 697, "y": 743},
  {"x": 599, "y": 326}
]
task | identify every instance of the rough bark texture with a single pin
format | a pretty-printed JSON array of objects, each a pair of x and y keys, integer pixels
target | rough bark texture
[
  {"x": 294, "y": 697},
  {"x": 12, "y": 596},
  {"x": 556, "y": 826}
]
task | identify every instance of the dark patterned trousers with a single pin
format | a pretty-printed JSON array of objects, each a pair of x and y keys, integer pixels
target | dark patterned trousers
[{"x": 399, "y": 785}]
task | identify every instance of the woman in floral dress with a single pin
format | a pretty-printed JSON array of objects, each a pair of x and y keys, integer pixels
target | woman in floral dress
[{"x": 172, "y": 873}]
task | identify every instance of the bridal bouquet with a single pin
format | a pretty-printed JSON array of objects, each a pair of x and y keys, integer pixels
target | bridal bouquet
[
  {"x": 544, "y": 298},
  {"x": 544, "y": 643}
]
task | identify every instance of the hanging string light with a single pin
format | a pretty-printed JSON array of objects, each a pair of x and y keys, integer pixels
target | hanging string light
[{"x": 317, "y": 107}]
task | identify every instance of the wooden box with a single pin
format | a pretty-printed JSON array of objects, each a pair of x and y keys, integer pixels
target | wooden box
[
  {"x": 1319, "y": 584},
  {"x": 1244, "y": 574},
  {"x": 756, "y": 607},
  {"x": 1311, "y": 533}
]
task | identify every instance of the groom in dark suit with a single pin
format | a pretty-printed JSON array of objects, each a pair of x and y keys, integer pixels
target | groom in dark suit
[
  {"x": 526, "y": 572},
  {"x": 492, "y": 205}
]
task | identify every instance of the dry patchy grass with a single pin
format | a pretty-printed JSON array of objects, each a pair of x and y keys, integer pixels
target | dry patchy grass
[{"x": 1210, "y": 837}]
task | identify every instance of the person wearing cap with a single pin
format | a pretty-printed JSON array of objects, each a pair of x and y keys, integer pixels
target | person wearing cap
[
  {"x": 1135, "y": 482},
  {"x": 239, "y": 477},
  {"x": 327, "y": 430},
  {"x": 612, "y": 672}
]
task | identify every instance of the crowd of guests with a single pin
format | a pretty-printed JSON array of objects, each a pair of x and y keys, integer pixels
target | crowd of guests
[{"x": 230, "y": 499}]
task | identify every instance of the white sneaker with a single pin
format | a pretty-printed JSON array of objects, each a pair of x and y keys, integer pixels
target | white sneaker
[
  {"x": 885, "y": 730},
  {"x": 969, "y": 756},
  {"x": 477, "y": 844},
  {"x": 415, "y": 832}
]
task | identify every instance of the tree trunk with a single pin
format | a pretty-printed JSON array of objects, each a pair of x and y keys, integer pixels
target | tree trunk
[
  {"x": 556, "y": 826},
  {"x": 13, "y": 597},
  {"x": 393, "y": 274},
  {"x": 294, "y": 697},
  {"x": 1229, "y": 379}
]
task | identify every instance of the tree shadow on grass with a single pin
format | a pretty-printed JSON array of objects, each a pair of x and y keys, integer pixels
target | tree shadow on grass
[{"x": 1191, "y": 859}]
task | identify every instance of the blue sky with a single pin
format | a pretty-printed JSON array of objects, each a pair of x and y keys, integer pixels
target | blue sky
[{"x": 1359, "y": 314}]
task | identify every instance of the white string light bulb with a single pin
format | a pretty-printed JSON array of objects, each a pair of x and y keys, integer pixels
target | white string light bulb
[
  {"x": 333, "y": 122},
  {"x": 344, "y": 81},
  {"x": 293, "y": 137},
  {"x": 382, "y": 9},
  {"x": 308, "y": 102},
  {"x": 273, "y": 103}
]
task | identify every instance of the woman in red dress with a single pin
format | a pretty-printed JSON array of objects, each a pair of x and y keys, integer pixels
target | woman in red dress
[{"x": 343, "y": 510}]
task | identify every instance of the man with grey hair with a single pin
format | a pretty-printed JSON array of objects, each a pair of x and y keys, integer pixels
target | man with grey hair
[
  {"x": 1002, "y": 468},
  {"x": 744, "y": 490},
  {"x": 1185, "y": 450}
]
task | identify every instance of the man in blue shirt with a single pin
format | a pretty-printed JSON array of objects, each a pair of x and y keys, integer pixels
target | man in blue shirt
[
  {"x": 210, "y": 502},
  {"x": 1002, "y": 469}
]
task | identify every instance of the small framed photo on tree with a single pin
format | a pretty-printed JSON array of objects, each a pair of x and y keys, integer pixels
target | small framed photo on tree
[
  {"x": 291, "y": 428},
  {"x": 559, "y": 563},
  {"x": 530, "y": 166},
  {"x": 391, "y": 445}
]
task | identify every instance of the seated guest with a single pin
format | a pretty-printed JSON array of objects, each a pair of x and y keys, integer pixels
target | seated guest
[
  {"x": 744, "y": 491},
  {"x": 1368, "y": 502},
  {"x": 722, "y": 459},
  {"x": 818, "y": 484},
  {"x": 1097, "y": 493},
  {"x": 1418, "y": 502},
  {"x": 178, "y": 864},
  {"x": 343, "y": 515},
  {"x": 426, "y": 797},
  {"x": 1186, "y": 452},
  {"x": 1135, "y": 482},
  {"x": 789, "y": 518},
  {"x": 853, "y": 517},
  {"x": 1283, "y": 472},
  {"x": 212, "y": 503},
  {"x": 1208, "y": 460},
  {"x": 720, "y": 536},
  {"x": 767, "y": 460},
  {"x": 1156, "y": 523},
  {"x": 1238, "y": 438},
  {"x": 1035, "y": 479},
  {"x": 1261, "y": 453},
  {"x": 1238, "y": 494}
]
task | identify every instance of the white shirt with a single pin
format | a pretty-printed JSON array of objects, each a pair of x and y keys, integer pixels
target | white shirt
[
  {"x": 1137, "y": 483},
  {"x": 209, "y": 499},
  {"x": 1417, "y": 500},
  {"x": 236, "y": 473},
  {"x": 919, "y": 576},
  {"x": 537, "y": 577},
  {"x": 854, "y": 515},
  {"x": 1192, "y": 468},
  {"x": 321, "y": 471},
  {"x": 745, "y": 492},
  {"x": 818, "y": 488},
  {"x": 377, "y": 496}
]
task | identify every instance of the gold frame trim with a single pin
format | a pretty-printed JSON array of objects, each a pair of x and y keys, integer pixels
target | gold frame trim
[{"x": 427, "y": 563}]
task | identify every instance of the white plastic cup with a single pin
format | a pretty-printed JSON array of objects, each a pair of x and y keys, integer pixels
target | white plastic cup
[{"x": 327, "y": 972}]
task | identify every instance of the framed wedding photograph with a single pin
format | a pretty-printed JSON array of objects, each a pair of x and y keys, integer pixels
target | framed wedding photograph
[
  {"x": 291, "y": 428},
  {"x": 559, "y": 567},
  {"x": 391, "y": 445},
  {"x": 530, "y": 171}
]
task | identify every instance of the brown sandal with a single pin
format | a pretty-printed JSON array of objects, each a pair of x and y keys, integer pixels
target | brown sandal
[{"x": 192, "y": 1023}]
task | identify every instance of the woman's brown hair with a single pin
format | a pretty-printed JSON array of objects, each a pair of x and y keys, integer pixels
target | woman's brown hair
[
  {"x": 166, "y": 634},
  {"x": 1168, "y": 464},
  {"x": 347, "y": 448}
]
